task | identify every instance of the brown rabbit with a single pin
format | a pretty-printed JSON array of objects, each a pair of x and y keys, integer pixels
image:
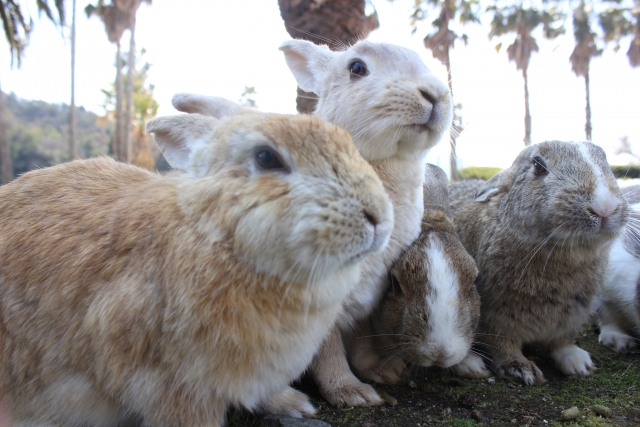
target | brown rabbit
[
  {"x": 431, "y": 309},
  {"x": 129, "y": 293}
]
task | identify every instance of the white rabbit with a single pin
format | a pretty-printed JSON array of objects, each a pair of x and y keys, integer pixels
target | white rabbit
[
  {"x": 395, "y": 110},
  {"x": 539, "y": 232},
  {"x": 171, "y": 297},
  {"x": 619, "y": 302}
]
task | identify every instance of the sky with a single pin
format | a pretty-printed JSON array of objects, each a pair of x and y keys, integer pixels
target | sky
[{"x": 217, "y": 47}]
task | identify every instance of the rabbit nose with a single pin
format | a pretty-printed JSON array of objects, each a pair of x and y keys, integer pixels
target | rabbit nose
[
  {"x": 371, "y": 218},
  {"x": 428, "y": 96}
]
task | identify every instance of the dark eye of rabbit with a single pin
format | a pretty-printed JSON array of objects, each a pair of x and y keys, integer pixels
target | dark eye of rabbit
[
  {"x": 357, "y": 68},
  {"x": 539, "y": 168},
  {"x": 267, "y": 159}
]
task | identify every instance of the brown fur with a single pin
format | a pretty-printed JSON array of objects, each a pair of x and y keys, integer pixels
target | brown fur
[{"x": 127, "y": 292}]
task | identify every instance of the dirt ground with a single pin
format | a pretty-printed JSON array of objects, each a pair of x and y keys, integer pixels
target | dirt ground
[{"x": 436, "y": 397}]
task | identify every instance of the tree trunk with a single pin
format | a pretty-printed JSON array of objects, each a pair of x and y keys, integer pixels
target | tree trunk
[
  {"x": 587, "y": 126},
  {"x": 5, "y": 149},
  {"x": 119, "y": 140},
  {"x": 129, "y": 109},
  {"x": 527, "y": 114},
  {"x": 454, "y": 130},
  {"x": 72, "y": 107},
  {"x": 336, "y": 23}
]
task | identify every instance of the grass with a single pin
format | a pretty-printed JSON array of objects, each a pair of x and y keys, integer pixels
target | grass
[{"x": 506, "y": 402}]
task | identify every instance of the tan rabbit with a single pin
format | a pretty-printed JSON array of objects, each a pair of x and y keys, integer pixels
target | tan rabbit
[
  {"x": 539, "y": 232},
  {"x": 129, "y": 293},
  {"x": 431, "y": 310},
  {"x": 395, "y": 110}
]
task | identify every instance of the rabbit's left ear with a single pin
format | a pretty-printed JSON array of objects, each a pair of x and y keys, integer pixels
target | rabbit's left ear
[
  {"x": 177, "y": 136},
  {"x": 499, "y": 184},
  {"x": 213, "y": 106},
  {"x": 436, "y": 189}
]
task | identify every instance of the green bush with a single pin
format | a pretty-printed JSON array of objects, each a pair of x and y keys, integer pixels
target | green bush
[
  {"x": 476, "y": 172},
  {"x": 627, "y": 171}
]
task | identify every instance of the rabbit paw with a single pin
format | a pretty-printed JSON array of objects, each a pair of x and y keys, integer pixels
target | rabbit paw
[
  {"x": 617, "y": 341},
  {"x": 472, "y": 366},
  {"x": 389, "y": 372},
  {"x": 290, "y": 402},
  {"x": 522, "y": 368},
  {"x": 572, "y": 360},
  {"x": 352, "y": 392}
]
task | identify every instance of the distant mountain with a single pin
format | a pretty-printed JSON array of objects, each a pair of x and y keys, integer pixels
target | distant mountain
[{"x": 38, "y": 133}]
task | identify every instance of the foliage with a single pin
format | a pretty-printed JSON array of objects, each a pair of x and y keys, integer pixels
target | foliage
[
  {"x": 16, "y": 27},
  {"x": 622, "y": 20},
  {"x": 585, "y": 40},
  {"x": 626, "y": 171},
  {"x": 145, "y": 107},
  {"x": 477, "y": 172},
  {"x": 246, "y": 98},
  {"x": 38, "y": 133}
]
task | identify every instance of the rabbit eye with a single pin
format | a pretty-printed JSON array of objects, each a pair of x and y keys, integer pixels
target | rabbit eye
[
  {"x": 539, "y": 168},
  {"x": 267, "y": 159},
  {"x": 357, "y": 68}
]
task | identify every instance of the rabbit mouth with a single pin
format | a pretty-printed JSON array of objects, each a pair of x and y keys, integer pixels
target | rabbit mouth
[{"x": 419, "y": 127}]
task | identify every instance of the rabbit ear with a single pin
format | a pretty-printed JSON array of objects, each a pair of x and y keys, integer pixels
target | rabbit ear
[
  {"x": 307, "y": 62},
  {"x": 500, "y": 183},
  {"x": 178, "y": 136},
  {"x": 436, "y": 190},
  {"x": 213, "y": 106}
]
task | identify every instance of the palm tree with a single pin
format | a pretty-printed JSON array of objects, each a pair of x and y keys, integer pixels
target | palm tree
[
  {"x": 72, "y": 108},
  {"x": 131, "y": 7},
  {"x": 618, "y": 22},
  {"x": 334, "y": 22},
  {"x": 523, "y": 21},
  {"x": 17, "y": 31},
  {"x": 441, "y": 42},
  {"x": 116, "y": 21},
  {"x": 583, "y": 52}
]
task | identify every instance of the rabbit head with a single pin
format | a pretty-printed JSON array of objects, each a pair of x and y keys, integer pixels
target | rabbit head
[
  {"x": 559, "y": 190},
  {"x": 432, "y": 307},
  {"x": 382, "y": 93},
  {"x": 294, "y": 184}
]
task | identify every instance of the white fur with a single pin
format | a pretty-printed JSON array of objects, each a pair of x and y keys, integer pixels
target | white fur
[
  {"x": 442, "y": 305},
  {"x": 572, "y": 360},
  {"x": 604, "y": 202},
  {"x": 618, "y": 316},
  {"x": 472, "y": 366}
]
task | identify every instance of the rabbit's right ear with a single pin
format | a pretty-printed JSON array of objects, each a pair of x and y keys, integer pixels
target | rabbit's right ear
[
  {"x": 178, "y": 136},
  {"x": 213, "y": 106},
  {"x": 307, "y": 62},
  {"x": 500, "y": 183}
]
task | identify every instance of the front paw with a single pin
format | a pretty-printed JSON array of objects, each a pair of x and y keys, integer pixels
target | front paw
[
  {"x": 289, "y": 402},
  {"x": 351, "y": 392},
  {"x": 524, "y": 369},
  {"x": 617, "y": 341},
  {"x": 472, "y": 366},
  {"x": 389, "y": 372},
  {"x": 572, "y": 360}
]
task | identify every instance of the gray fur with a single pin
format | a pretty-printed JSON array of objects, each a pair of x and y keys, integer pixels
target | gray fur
[{"x": 540, "y": 250}]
